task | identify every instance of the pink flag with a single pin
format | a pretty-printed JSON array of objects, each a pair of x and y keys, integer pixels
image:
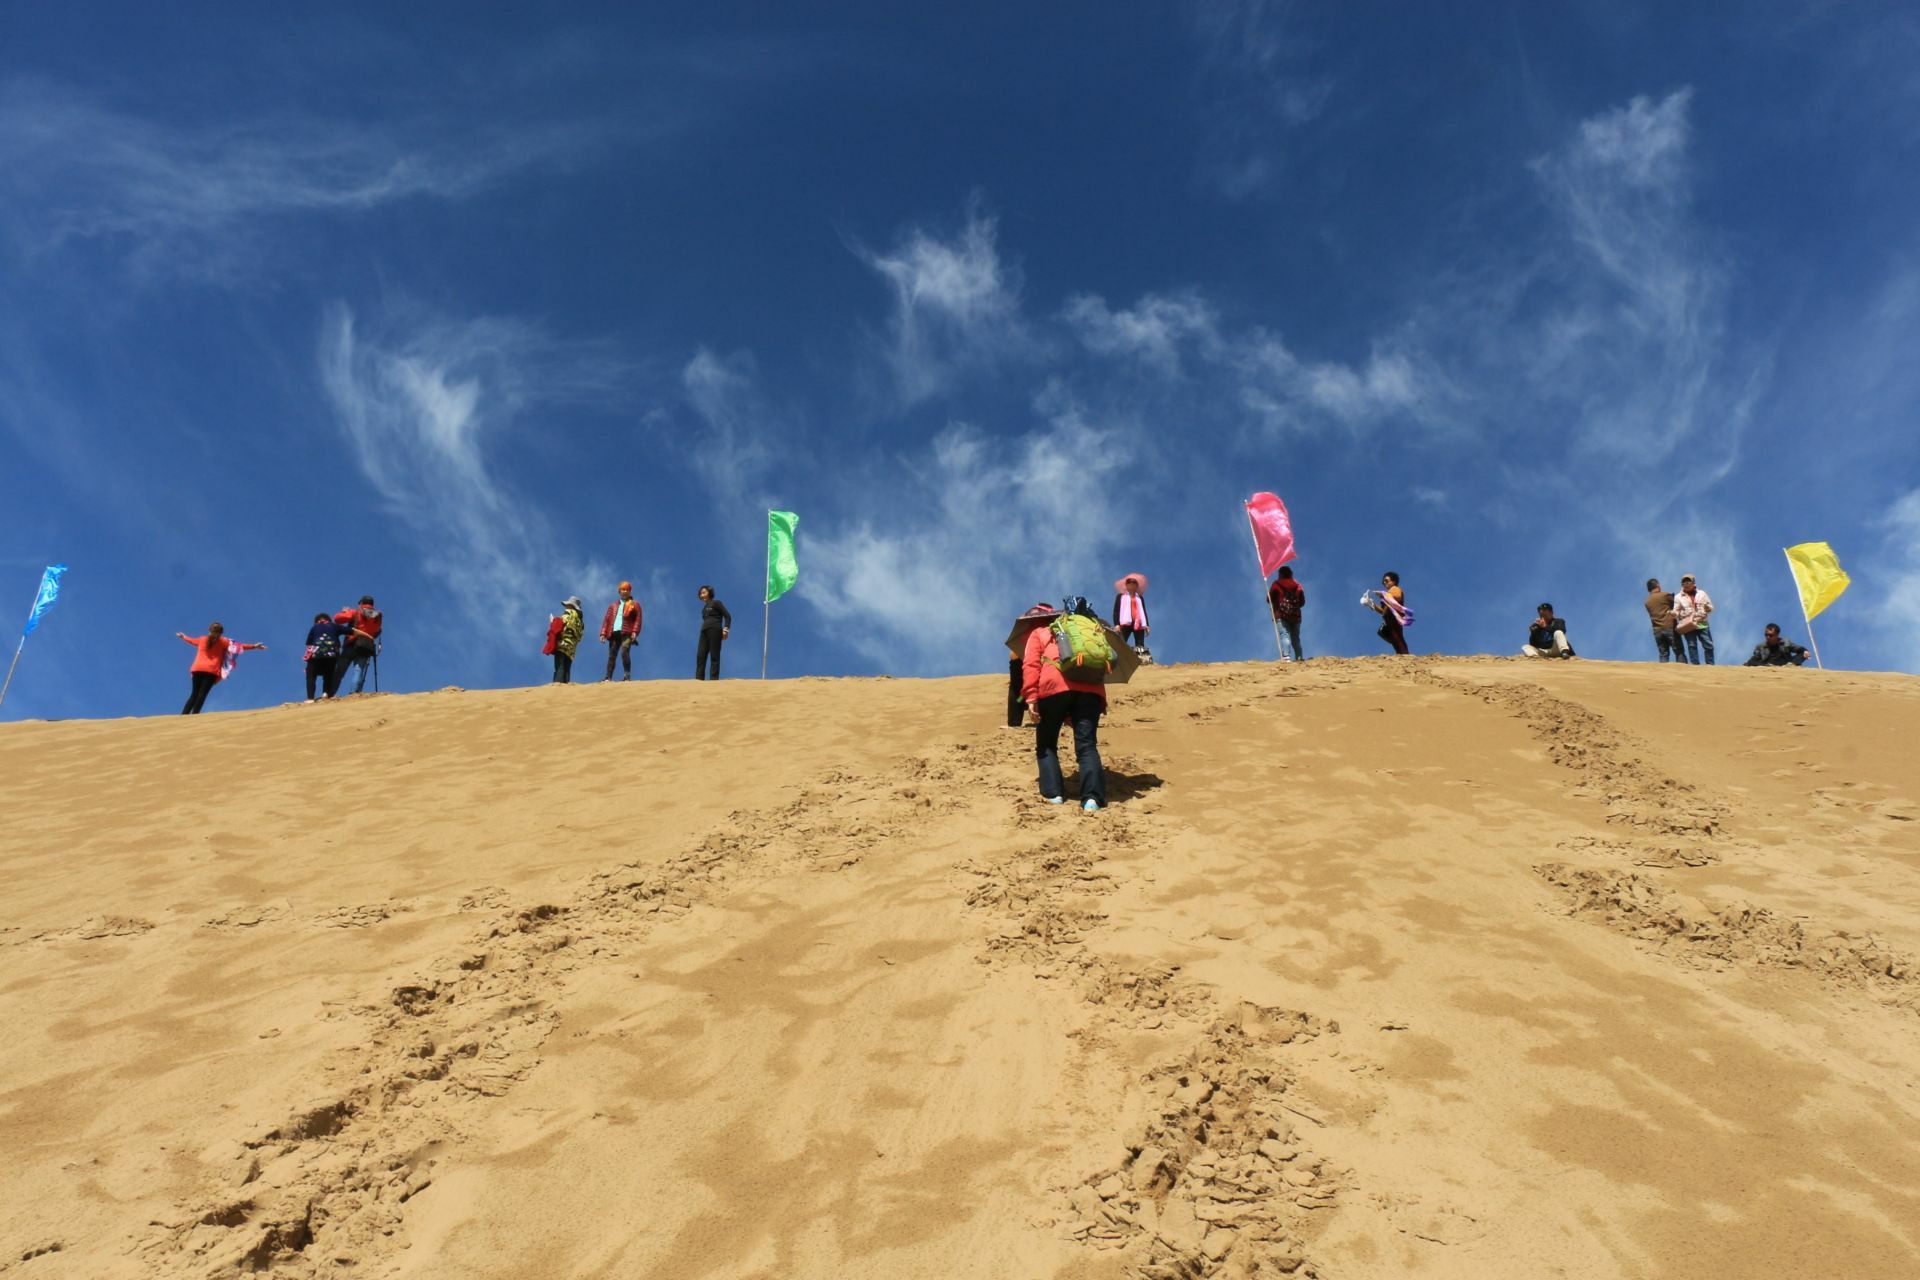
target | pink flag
[{"x": 1272, "y": 530}]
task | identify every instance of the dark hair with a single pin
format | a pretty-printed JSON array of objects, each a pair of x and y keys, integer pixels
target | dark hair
[
  {"x": 321, "y": 617},
  {"x": 1546, "y": 608},
  {"x": 1653, "y": 584},
  {"x": 1392, "y": 577},
  {"x": 366, "y": 599},
  {"x": 704, "y": 590},
  {"x": 1286, "y": 571},
  {"x": 214, "y": 626},
  {"x": 1773, "y": 626}
]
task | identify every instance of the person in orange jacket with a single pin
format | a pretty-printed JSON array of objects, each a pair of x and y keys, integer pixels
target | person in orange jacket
[
  {"x": 213, "y": 659},
  {"x": 620, "y": 628},
  {"x": 1057, "y": 701}
]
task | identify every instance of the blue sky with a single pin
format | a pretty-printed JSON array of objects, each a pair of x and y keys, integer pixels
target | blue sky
[{"x": 477, "y": 311}]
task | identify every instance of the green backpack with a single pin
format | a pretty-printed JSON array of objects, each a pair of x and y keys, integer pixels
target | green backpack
[{"x": 1086, "y": 655}]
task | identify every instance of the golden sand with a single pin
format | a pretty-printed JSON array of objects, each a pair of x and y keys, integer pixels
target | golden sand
[{"x": 1374, "y": 968}]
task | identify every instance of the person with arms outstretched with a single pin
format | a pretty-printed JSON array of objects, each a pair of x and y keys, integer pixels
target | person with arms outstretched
[{"x": 213, "y": 659}]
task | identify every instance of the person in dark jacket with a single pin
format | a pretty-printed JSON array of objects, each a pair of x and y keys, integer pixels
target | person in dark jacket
[
  {"x": 715, "y": 625},
  {"x": 1660, "y": 613},
  {"x": 1130, "y": 612},
  {"x": 1776, "y": 650},
  {"x": 1287, "y": 598},
  {"x": 1547, "y": 638},
  {"x": 324, "y": 639}
]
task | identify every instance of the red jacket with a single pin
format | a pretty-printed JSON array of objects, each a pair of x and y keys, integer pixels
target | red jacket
[
  {"x": 554, "y": 628},
  {"x": 630, "y": 628},
  {"x": 1040, "y": 678},
  {"x": 1286, "y": 596}
]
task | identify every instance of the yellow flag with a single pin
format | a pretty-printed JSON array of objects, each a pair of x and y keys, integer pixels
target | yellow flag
[{"x": 1817, "y": 572}]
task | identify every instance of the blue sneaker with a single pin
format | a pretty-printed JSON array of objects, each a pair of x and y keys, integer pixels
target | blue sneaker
[
  {"x": 1090, "y": 806},
  {"x": 1054, "y": 799}
]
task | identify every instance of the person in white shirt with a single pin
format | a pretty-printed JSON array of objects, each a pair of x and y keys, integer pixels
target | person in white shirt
[{"x": 1690, "y": 610}]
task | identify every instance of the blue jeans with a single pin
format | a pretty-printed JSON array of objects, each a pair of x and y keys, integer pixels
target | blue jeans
[
  {"x": 1082, "y": 710},
  {"x": 1291, "y": 647},
  {"x": 1668, "y": 642},
  {"x": 352, "y": 658},
  {"x": 1697, "y": 641}
]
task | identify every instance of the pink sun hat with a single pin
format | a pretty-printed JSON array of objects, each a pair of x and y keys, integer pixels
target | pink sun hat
[{"x": 1120, "y": 583}]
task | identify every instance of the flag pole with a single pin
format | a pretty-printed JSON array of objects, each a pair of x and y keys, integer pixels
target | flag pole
[
  {"x": 1279, "y": 649},
  {"x": 766, "y": 605},
  {"x": 1803, "y": 612},
  {"x": 8, "y": 683}
]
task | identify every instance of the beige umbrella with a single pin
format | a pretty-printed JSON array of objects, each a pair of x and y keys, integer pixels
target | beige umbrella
[{"x": 1125, "y": 660}]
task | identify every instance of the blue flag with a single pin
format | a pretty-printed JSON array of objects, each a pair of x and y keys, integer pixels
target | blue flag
[{"x": 49, "y": 592}]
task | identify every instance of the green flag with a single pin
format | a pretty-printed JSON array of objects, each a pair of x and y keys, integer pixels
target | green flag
[{"x": 782, "y": 566}]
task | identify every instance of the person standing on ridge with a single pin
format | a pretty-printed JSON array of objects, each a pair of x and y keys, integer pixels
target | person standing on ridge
[
  {"x": 323, "y": 650},
  {"x": 715, "y": 625},
  {"x": 1660, "y": 613},
  {"x": 1690, "y": 610},
  {"x": 1287, "y": 599},
  {"x": 1058, "y": 698},
  {"x": 1392, "y": 629},
  {"x": 620, "y": 628},
  {"x": 1130, "y": 612},
  {"x": 361, "y": 644},
  {"x": 213, "y": 659},
  {"x": 572, "y": 624}
]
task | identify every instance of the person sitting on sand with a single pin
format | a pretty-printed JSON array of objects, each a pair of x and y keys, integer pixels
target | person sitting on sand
[
  {"x": 213, "y": 659},
  {"x": 1057, "y": 700},
  {"x": 1547, "y": 638},
  {"x": 1776, "y": 650}
]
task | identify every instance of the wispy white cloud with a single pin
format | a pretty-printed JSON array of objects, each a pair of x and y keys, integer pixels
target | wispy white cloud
[
  {"x": 1255, "y": 89},
  {"x": 422, "y": 402},
  {"x": 732, "y": 445},
  {"x": 181, "y": 199},
  {"x": 956, "y": 306},
  {"x": 990, "y": 522}
]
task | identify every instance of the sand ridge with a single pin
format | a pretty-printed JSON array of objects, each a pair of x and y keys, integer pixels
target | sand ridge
[{"x": 1393, "y": 967}]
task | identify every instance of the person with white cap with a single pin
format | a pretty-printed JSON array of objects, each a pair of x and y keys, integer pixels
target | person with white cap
[
  {"x": 620, "y": 628},
  {"x": 1130, "y": 611},
  {"x": 1690, "y": 610},
  {"x": 571, "y": 624}
]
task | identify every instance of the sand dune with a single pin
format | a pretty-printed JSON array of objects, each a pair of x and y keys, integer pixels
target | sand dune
[{"x": 1435, "y": 968}]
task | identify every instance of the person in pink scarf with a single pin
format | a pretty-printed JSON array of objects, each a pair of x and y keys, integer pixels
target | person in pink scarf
[{"x": 1130, "y": 612}]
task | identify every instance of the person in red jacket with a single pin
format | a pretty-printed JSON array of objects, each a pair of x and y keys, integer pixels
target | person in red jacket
[
  {"x": 1056, "y": 701},
  {"x": 620, "y": 628},
  {"x": 1288, "y": 598},
  {"x": 213, "y": 658},
  {"x": 362, "y": 644}
]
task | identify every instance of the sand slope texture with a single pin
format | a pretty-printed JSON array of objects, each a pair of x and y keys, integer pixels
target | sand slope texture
[{"x": 1430, "y": 968}]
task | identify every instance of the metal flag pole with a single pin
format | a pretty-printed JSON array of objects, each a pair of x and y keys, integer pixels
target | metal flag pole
[
  {"x": 1815, "y": 644},
  {"x": 8, "y": 683},
  {"x": 1280, "y": 650},
  {"x": 766, "y": 605}
]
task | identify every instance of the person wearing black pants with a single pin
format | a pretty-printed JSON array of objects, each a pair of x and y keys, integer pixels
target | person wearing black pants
[
  {"x": 1016, "y": 704},
  {"x": 715, "y": 625},
  {"x": 1082, "y": 711},
  {"x": 203, "y": 682}
]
